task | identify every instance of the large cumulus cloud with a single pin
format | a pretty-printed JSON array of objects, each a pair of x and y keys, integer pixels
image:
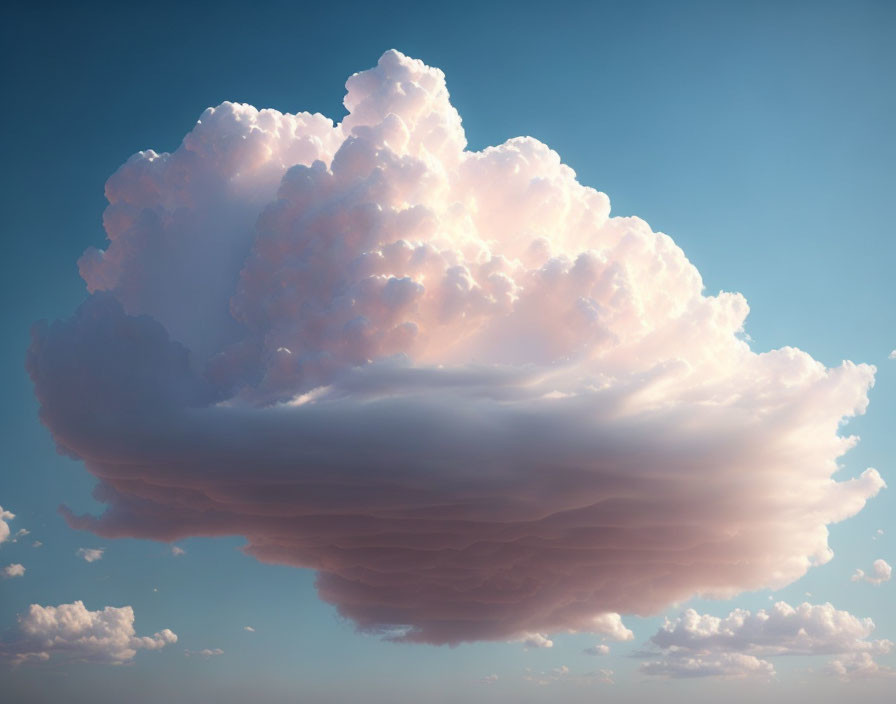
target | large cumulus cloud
[
  {"x": 71, "y": 631},
  {"x": 449, "y": 381},
  {"x": 701, "y": 645}
]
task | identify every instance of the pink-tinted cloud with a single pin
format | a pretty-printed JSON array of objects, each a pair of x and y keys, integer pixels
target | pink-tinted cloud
[{"x": 448, "y": 381}]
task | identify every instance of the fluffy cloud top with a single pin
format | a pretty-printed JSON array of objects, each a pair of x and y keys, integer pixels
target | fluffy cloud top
[
  {"x": 71, "y": 631},
  {"x": 881, "y": 572},
  {"x": 696, "y": 645},
  {"x": 449, "y": 381}
]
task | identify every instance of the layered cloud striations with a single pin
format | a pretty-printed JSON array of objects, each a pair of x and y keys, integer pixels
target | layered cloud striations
[{"x": 449, "y": 381}]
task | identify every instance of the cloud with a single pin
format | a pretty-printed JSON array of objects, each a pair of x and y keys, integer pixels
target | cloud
[
  {"x": 205, "y": 652},
  {"x": 880, "y": 573},
  {"x": 855, "y": 666},
  {"x": 90, "y": 554},
  {"x": 699, "y": 645},
  {"x": 176, "y": 551},
  {"x": 4, "y": 526},
  {"x": 536, "y": 640},
  {"x": 72, "y": 632},
  {"x": 565, "y": 675},
  {"x": 13, "y": 570},
  {"x": 447, "y": 380},
  {"x": 892, "y": 355},
  {"x": 599, "y": 649},
  {"x": 489, "y": 679},
  {"x": 249, "y": 628},
  {"x": 734, "y": 665}
]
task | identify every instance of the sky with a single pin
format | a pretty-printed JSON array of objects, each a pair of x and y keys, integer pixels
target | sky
[{"x": 547, "y": 359}]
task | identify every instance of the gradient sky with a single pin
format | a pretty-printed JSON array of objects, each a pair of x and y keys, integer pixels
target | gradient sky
[{"x": 757, "y": 135}]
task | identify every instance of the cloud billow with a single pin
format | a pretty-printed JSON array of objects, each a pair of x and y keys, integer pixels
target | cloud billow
[{"x": 450, "y": 382}]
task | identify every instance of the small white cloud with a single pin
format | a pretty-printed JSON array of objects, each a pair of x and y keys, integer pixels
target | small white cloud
[
  {"x": 205, "y": 652},
  {"x": 4, "y": 526},
  {"x": 20, "y": 533},
  {"x": 536, "y": 640},
  {"x": 489, "y": 679},
  {"x": 610, "y": 624},
  {"x": 36, "y": 544},
  {"x": 893, "y": 354},
  {"x": 856, "y": 666},
  {"x": 72, "y": 632},
  {"x": 176, "y": 551},
  {"x": 599, "y": 649},
  {"x": 728, "y": 665},
  {"x": 13, "y": 570},
  {"x": 564, "y": 674},
  {"x": 90, "y": 554},
  {"x": 880, "y": 573},
  {"x": 249, "y": 628}
]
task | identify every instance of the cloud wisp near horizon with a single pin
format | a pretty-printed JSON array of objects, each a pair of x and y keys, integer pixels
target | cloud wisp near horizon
[{"x": 450, "y": 382}]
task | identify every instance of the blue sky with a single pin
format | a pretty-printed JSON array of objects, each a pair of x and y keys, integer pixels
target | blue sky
[{"x": 758, "y": 136}]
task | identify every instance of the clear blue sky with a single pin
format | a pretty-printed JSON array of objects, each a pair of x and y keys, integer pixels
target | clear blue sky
[{"x": 758, "y": 135}]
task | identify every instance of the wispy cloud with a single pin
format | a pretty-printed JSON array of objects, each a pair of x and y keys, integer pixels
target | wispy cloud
[{"x": 90, "y": 554}]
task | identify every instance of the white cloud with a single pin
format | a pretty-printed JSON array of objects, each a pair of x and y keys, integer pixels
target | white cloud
[
  {"x": 546, "y": 678},
  {"x": 249, "y": 628},
  {"x": 499, "y": 374},
  {"x": 599, "y": 649},
  {"x": 892, "y": 355},
  {"x": 4, "y": 526},
  {"x": 880, "y": 573},
  {"x": 855, "y": 666},
  {"x": 565, "y": 675},
  {"x": 703, "y": 645},
  {"x": 685, "y": 664},
  {"x": 489, "y": 679},
  {"x": 72, "y": 632},
  {"x": 536, "y": 640},
  {"x": 13, "y": 570},
  {"x": 90, "y": 554},
  {"x": 610, "y": 624},
  {"x": 205, "y": 652},
  {"x": 36, "y": 544},
  {"x": 176, "y": 551}
]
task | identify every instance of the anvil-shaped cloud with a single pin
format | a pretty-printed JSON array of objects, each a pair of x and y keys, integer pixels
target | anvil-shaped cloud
[{"x": 450, "y": 382}]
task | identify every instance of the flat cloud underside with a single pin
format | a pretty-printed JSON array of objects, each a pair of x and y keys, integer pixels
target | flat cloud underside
[{"x": 445, "y": 380}]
